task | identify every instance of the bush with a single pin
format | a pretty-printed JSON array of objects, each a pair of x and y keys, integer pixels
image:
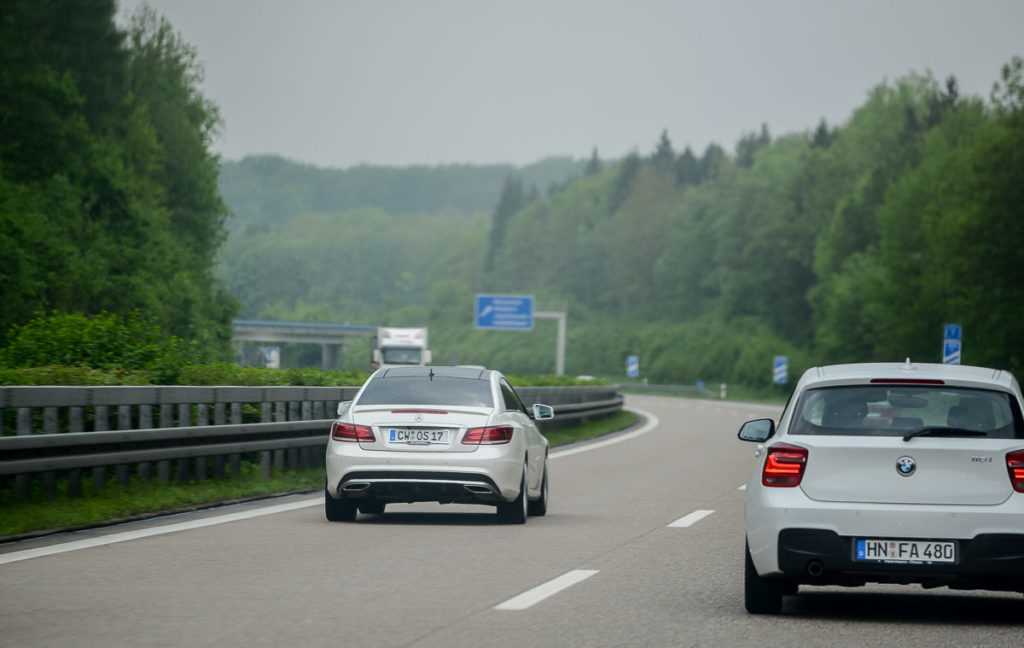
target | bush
[{"x": 107, "y": 342}]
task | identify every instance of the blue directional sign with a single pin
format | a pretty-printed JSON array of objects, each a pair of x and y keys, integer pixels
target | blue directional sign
[
  {"x": 780, "y": 370},
  {"x": 633, "y": 366},
  {"x": 504, "y": 312},
  {"x": 952, "y": 343}
]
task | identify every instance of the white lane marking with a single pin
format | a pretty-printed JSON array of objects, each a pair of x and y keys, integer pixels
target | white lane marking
[
  {"x": 742, "y": 487},
  {"x": 125, "y": 536},
  {"x": 690, "y": 519},
  {"x": 652, "y": 422},
  {"x": 532, "y": 597}
]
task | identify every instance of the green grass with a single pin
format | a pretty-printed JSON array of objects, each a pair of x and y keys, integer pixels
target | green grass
[
  {"x": 563, "y": 435},
  {"x": 115, "y": 502}
]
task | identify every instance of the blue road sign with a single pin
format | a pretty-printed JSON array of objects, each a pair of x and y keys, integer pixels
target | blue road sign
[
  {"x": 780, "y": 370},
  {"x": 504, "y": 312},
  {"x": 633, "y": 366},
  {"x": 952, "y": 343}
]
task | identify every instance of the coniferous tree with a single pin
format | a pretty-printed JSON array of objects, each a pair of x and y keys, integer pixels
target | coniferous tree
[
  {"x": 664, "y": 157},
  {"x": 687, "y": 168},
  {"x": 594, "y": 165}
]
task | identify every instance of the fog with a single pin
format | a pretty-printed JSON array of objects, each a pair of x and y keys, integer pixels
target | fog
[{"x": 339, "y": 83}]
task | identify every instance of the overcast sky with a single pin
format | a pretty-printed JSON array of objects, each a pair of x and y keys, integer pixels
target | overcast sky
[{"x": 339, "y": 83}]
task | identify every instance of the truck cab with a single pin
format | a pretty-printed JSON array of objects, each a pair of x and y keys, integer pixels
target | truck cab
[{"x": 394, "y": 347}]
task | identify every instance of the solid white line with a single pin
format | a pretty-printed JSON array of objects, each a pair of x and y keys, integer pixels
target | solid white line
[
  {"x": 125, "y": 536},
  {"x": 742, "y": 487},
  {"x": 652, "y": 422},
  {"x": 690, "y": 519},
  {"x": 532, "y": 597}
]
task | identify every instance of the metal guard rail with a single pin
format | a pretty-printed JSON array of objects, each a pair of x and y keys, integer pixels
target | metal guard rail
[{"x": 281, "y": 444}]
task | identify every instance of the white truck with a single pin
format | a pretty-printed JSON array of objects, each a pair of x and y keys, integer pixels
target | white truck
[{"x": 400, "y": 346}]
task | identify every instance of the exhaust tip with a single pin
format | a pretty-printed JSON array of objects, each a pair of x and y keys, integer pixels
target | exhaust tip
[
  {"x": 815, "y": 568},
  {"x": 355, "y": 487},
  {"x": 479, "y": 489}
]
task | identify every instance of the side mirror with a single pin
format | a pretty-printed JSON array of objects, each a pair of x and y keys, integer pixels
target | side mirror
[
  {"x": 343, "y": 407},
  {"x": 757, "y": 431},
  {"x": 543, "y": 412}
]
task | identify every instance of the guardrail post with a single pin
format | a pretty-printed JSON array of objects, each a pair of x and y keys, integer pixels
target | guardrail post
[
  {"x": 182, "y": 471},
  {"x": 200, "y": 468},
  {"x": 124, "y": 417},
  {"x": 203, "y": 414},
  {"x": 218, "y": 467},
  {"x": 235, "y": 465},
  {"x": 123, "y": 474},
  {"x": 145, "y": 470},
  {"x": 218, "y": 413},
  {"x": 279, "y": 412},
  {"x": 265, "y": 465},
  {"x": 184, "y": 414},
  {"x": 166, "y": 415},
  {"x": 236, "y": 413},
  {"x": 278, "y": 460},
  {"x": 293, "y": 410},
  {"x": 22, "y": 484},
  {"x": 99, "y": 478},
  {"x": 75, "y": 420},
  {"x": 50, "y": 484},
  {"x": 101, "y": 422},
  {"x": 163, "y": 471},
  {"x": 307, "y": 410},
  {"x": 318, "y": 410},
  {"x": 50, "y": 420},
  {"x": 145, "y": 417},
  {"x": 265, "y": 416},
  {"x": 24, "y": 422}
]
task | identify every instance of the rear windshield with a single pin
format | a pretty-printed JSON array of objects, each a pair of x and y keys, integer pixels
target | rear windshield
[
  {"x": 423, "y": 390},
  {"x": 871, "y": 410}
]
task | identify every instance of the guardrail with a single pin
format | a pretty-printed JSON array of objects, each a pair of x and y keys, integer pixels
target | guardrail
[{"x": 61, "y": 432}]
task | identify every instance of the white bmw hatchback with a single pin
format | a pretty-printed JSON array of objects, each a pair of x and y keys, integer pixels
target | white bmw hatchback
[
  {"x": 437, "y": 434},
  {"x": 888, "y": 473}
]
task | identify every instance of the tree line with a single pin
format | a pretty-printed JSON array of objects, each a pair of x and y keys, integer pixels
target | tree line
[{"x": 108, "y": 184}]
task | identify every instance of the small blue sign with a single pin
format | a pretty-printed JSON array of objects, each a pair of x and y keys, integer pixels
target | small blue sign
[
  {"x": 504, "y": 312},
  {"x": 780, "y": 370},
  {"x": 952, "y": 343},
  {"x": 633, "y": 366}
]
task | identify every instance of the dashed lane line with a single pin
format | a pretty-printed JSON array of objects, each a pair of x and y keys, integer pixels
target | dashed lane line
[
  {"x": 533, "y": 596},
  {"x": 690, "y": 519}
]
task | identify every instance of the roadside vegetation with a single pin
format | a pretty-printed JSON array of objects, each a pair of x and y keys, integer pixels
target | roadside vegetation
[{"x": 116, "y": 502}]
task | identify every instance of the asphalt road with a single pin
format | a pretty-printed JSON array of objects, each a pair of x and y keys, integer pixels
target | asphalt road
[{"x": 428, "y": 575}]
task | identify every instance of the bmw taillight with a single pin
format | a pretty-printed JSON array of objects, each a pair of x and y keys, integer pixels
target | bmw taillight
[
  {"x": 1015, "y": 466},
  {"x": 351, "y": 432},
  {"x": 495, "y": 435},
  {"x": 784, "y": 466}
]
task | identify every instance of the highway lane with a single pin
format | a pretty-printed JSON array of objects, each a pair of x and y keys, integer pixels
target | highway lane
[{"x": 613, "y": 570}]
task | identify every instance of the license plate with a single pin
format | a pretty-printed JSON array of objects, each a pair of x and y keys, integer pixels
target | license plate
[
  {"x": 907, "y": 552},
  {"x": 419, "y": 436}
]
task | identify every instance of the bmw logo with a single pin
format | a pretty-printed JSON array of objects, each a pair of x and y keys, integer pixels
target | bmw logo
[{"x": 906, "y": 466}]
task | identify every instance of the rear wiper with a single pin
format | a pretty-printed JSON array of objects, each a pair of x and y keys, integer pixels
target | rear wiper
[{"x": 943, "y": 431}]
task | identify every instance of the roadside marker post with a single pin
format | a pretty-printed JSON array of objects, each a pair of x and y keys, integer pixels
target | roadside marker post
[{"x": 780, "y": 370}]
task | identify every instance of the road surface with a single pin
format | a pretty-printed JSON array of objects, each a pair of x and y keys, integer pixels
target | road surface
[{"x": 642, "y": 546}]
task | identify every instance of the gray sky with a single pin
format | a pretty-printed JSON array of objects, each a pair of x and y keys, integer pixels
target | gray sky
[{"x": 339, "y": 83}]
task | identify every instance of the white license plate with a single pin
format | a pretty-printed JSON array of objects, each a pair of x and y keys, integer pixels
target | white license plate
[
  {"x": 904, "y": 551},
  {"x": 419, "y": 436}
]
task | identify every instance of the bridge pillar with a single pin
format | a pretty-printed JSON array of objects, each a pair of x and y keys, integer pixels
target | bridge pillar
[{"x": 329, "y": 356}]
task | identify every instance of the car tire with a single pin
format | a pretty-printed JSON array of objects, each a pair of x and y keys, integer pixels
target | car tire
[
  {"x": 515, "y": 512},
  {"x": 372, "y": 508},
  {"x": 338, "y": 510},
  {"x": 761, "y": 595},
  {"x": 539, "y": 506}
]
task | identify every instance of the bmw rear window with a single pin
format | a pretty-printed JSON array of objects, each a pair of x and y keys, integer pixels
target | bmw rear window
[
  {"x": 876, "y": 410},
  {"x": 424, "y": 390}
]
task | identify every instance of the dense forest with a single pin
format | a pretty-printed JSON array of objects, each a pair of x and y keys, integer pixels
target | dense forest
[
  {"x": 108, "y": 185},
  {"x": 846, "y": 242}
]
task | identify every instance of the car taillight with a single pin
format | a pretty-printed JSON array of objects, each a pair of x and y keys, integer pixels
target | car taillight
[
  {"x": 784, "y": 466},
  {"x": 351, "y": 432},
  {"x": 1015, "y": 466},
  {"x": 488, "y": 435}
]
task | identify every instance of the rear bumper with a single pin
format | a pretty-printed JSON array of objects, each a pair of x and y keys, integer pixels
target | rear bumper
[
  {"x": 820, "y": 557},
  {"x": 490, "y": 474},
  {"x": 771, "y": 512}
]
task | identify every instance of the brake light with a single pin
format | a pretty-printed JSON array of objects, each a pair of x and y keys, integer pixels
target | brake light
[
  {"x": 784, "y": 466},
  {"x": 488, "y": 435},
  {"x": 351, "y": 432},
  {"x": 1015, "y": 466},
  {"x": 907, "y": 381},
  {"x": 418, "y": 411}
]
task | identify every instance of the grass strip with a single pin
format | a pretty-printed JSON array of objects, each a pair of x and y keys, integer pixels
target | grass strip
[{"x": 140, "y": 497}]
